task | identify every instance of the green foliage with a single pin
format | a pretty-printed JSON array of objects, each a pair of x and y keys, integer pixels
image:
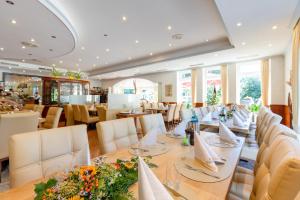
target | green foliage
[
  {"x": 254, "y": 108},
  {"x": 250, "y": 87},
  {"x": 74, "y": 75},
  {"x": 56, "y": 72},
  {"x": 213, "y": 96},
  {"x": 40, "y": 188}
]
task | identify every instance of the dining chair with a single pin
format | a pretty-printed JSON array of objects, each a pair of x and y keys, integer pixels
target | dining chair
[
  {"x": 101, "y": 111},
  {"x": 278, "y": 176},
  {"x": 52, "y": 118},
  {"x": 69, "y": 114},
  {"x": 85, "y": 116},
  {"x": 77, "y": 113},
  {"x": 11, "y": 124},
  {"x": 29, "y": 106},
  {"x": 116, "y": 134},
  {"x": 39, "y": 108},
  {"x": 186, "y": 114},
  {"x": 40, "y": 154},
  {"x": 153, "y": 121},
  {"x": 168, "y": 118},
  {"x": 177, "y": 113}
]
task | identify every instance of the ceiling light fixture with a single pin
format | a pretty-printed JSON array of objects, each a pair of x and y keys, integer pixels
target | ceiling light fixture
[
  {"x": 94, "y": 65},
  {"x": 170, "y": 45},
  {"x": 124, "y": 18},
  {"x": 23, "y": 60},
  {"x": 274, "y": 27},
  {"x": 243, "y": 43},
  {"x": 270, "y": 45},
  {"x": 136, "y": 41},
  {"x": 82, "y": 48},
  {"x": 1, "y": 49},
  {"x": 32, "y": 40},
  {"x": 216, "y": 54},
  {"x": 107, "y": 50},
  {"x": 60, "y": 61},
  {"x": 9, "y": 67},
  {"x": 97, "y": 57},
  {"x": 169, "y": 27},
  {"x": 129, "y": 58},
  {"x": 24, "y": 71},
  {"x": 79, "y": 59},
  {"x": 206, "y": 40},
  {"x": 239, "y": 24},
  {"x": 151, "y": 54},
  {"x": 13, "y": 21},
  {"x": 23, "y": 47},
  {"x": 40, "y": 71}
]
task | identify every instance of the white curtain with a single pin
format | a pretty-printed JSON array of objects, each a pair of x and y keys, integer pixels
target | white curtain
[
  {"x": 295, "y": 76},
  {"x": 194, "y": 86},
  {"x": 265, "y": 81},
  {"x": 224, "y": 84}
]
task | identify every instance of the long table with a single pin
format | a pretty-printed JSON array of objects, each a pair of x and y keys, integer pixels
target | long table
[{"x": 196, "y": 190}]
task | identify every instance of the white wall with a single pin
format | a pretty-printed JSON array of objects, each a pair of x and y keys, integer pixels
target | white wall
[
  {"x": 164, "y": 78},
  {"x": 287, "y": 69},
  {"x": 95, "y": 83},
  {"x": 233, "y": 88},
  {"x": 277, "y": 80}
]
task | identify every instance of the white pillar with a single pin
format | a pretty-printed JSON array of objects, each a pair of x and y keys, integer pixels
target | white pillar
[{"x": 233, "y": 86}]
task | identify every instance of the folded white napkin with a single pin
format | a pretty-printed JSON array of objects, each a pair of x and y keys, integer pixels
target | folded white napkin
[
  {"x": 180, "y": 128},
  {"x": 237, "y": 121},
  {"x": 226, "y": 134},
  {"x": 215, "y": 115},
  {"x": 207, "y": 118},
  {"x": 204, "y": 154},
  {"x": 150, "y": 138},
  {"x": 150, "y": 188},
  {"x": 239, "y": 115}
]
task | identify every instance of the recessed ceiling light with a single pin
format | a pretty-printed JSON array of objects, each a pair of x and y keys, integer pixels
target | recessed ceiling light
[
  {"x": 239, "y": 24},
  {"x": 24, "y": 71},
  {"x": 216, "y": 54},
  {"x": 243, "y": 43},
  {"x": 170, "y": 45},
  {"x": 32, "y": 40},
  {"x": 151, "y": 54},
  {"x": 270, "y": 45},
  {"x": 1, "y": 49},
  {"x": 169, "y": 27},
  {"x": 60, "y": 61},
  {"x": 136, "y": 41},
  {"x": 82, "y": 48},
  {"x": 274, "y": 27},
  {"x": 206, "y": 40},
  {"x": 23, "y": 60},
  {"x": 124, "y": 18},
  {"x": 129, "y": 58},
  {"x": 23, "y": 47},
  {"x": 53, "y": 36},
  {"x": 13, "y": 21},
  {"x": 9, "y": 67},
  {"x": 79, "y": 59},
  {"x": 94, "y": 65},
  {"x": 107, "y": 50},
  {"x": 40, "y": 71},
  {"x": 97, "y": 57},
  {"x": 10, "y": 2}
]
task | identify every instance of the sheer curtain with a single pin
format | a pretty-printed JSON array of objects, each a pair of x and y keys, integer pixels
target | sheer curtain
[
  {"x": 295, "y": 75},
  {"x": 224, "y": 85},
  {"x": 194, "y": 86},
  {"x": 265, "y": 81}
]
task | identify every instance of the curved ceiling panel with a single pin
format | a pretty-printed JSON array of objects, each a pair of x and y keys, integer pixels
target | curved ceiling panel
[{"x": 32, "y": 31}]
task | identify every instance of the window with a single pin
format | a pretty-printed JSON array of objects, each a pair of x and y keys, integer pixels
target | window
[
  {"x": 250, "y": 82},
  {"x": 213, "y": 85},
  {"x": 184, "y": 86},
  {"x": 145, "y": 89}
]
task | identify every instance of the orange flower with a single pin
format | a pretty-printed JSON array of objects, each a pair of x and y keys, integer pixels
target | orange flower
[
  {"x": 90, "y": 170},
  {"x": 116, "y": 165},
  {"x": 129, "y": 165}
]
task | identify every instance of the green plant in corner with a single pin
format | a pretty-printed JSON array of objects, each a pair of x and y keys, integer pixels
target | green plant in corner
[{"x": 77, "y": 75}]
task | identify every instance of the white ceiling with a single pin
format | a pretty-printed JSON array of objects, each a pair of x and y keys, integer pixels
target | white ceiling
[{"x": 80, "y": 26}]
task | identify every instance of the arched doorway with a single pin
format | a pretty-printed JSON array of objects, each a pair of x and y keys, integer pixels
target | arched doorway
[{"x": 145, "y": 89}]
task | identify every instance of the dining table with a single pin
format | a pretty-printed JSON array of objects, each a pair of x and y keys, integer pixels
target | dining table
[{"x": 188, "y": 188}]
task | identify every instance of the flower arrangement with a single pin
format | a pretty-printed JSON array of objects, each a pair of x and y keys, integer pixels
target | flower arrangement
[{"x": 103, "y": 181}]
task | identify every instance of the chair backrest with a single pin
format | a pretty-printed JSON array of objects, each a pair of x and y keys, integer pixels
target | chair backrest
[
  {"x": 170, "y": 112},
  {"x": 198, "y": 112},
  {"x": 260, "y": 116},
  {"x": 272, "y": 133},
  {"x": 52, "y": 117},
  {"x": 186, "y": 114},
  {"x": 11, "y": 124},
  {"x": 39, "y": 108},
  {"x": 77, "y": 113},
  {"x": 269, "y": 119},
  {"x": 84, "y": 113},
  {"x": 69, "y": 114},
  {"x": 116, "y": 134},
  {"x": 278, "y": 177},
  {"x": 177, "y": 111},
  {"x": 39, "y": 154},
  {"x": 101, "y": 111},
  {"x": 154, "y": 121},
  {"x": 154, "y": 105},
  {"x": 204, "y": 111},
  {"x": 29, "y": 106}
]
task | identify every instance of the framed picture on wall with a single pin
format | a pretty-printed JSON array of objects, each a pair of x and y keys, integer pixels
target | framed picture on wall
[{"x": 168, "y": 90}]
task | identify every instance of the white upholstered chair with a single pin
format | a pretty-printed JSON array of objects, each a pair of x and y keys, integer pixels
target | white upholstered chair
[
  {"x": 11, "y": 124},
  {"x": 177, "y": 113},
  {"x": 52, "y": 118},
  {"x": 39, "y": 154},
  {"x": 168, "y": 118},
  {"x": 116, "y": 134},
  {"x": 85, "y": 116},
  {"x": 154, "y": 121}
]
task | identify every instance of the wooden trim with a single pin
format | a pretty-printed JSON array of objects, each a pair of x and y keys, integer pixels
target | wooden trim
[
  {"x": 283, "y": 111},
  {"x": 198, "y": 104}
]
